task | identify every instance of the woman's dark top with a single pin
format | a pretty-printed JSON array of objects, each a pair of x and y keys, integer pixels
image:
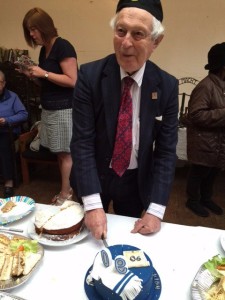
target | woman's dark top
[{"x": 53, "y": 96}]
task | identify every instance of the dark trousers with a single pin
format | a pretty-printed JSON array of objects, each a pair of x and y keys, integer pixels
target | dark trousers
[
  {"x": 6, "y": 160},
  {"x": 200, "y": 183},
  {"x": 124, "y": 193}
]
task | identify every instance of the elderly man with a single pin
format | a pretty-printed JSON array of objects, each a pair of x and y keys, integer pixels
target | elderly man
[{"x": 125, "y": 125}]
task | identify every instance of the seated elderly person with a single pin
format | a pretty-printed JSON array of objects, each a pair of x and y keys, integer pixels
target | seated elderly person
[{"x": 11, "y": 111}]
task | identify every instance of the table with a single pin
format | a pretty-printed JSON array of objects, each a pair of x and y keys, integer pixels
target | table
[{"x": 177, "y": 253}]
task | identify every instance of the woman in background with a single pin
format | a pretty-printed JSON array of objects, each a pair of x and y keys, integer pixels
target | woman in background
[
  {"x": 11, "y": 111},
  {"x": 56, "y": 73}
]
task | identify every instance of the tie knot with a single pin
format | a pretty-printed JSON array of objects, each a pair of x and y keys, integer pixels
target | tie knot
[{"x": 128, "y": 81}]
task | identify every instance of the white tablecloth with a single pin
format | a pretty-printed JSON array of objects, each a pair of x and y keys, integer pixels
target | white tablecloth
[{"x": 177, "y": 253}]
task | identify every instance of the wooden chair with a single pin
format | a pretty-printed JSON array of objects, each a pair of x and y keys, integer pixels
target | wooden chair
[{"x": 27, "y": 156}]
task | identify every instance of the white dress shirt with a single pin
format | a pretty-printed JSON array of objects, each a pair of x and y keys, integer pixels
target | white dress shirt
[{"x": 94, "y": 201}]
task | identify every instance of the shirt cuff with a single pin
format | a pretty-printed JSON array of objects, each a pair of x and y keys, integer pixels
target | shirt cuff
[
  {"x": 92, "y": 202},
  {"x": 156, "y": 210}
]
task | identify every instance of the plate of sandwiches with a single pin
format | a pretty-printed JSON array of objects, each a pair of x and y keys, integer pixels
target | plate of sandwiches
[
  {"x": 209, "y": 282},
  {"x": 58, "y": 225},
  {"x": 19, "y": 258},
  {"x": 15, "y": 208}
]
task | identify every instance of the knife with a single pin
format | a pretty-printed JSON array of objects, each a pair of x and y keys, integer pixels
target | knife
[
  {"x": 104, "y": 241},
  {"x": 10, "y": 229}
]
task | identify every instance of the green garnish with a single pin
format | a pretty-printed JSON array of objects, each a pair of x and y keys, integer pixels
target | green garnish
[
  {"x": 213, "y": 263},
  {"x": 26, "y": 245}
]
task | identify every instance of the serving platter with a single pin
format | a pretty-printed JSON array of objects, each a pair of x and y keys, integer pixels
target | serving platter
[
  {"x": 24, "y": 206},
  {"x": 17, "y": 281},
  {"x": 55, "y": 243},
  {"x": 201, "y": 284}
]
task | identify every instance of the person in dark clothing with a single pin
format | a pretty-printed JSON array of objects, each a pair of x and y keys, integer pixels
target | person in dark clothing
[
  {"x": 136, "y": 169},
  {"x": 206, "y": 135},
  {"x": 56, "y": 73}
]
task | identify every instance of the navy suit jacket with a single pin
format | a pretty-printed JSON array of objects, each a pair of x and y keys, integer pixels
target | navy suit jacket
[{"x": 95, "y": 110}]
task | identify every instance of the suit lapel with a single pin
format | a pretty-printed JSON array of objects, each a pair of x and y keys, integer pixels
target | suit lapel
[
  {"x": 111, "y": 89},
  {"x": 149, "y": 106}
]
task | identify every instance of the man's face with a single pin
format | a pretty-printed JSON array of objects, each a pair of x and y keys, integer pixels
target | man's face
[{"x": 132, "y": 38}]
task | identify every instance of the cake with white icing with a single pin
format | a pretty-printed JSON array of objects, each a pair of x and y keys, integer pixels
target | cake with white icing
[
  {"x": 59, "y": 220},
  {"x": 122, "y": 272}
]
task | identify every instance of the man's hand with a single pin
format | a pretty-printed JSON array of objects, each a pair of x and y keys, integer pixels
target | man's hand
[
  {"x": 148, "y": 224},
  {"x": 95, "y": 220}
]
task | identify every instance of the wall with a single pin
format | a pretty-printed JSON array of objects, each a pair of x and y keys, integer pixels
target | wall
[{"x": 192, "y": 27}]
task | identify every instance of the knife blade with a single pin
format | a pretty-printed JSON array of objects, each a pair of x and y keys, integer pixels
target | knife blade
[
  {"x": 104, "y": 241},
  {"x": 11, "y": 229}
]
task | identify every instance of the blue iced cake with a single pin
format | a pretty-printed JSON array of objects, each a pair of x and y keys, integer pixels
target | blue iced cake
[{"x": 121, "y": 272}]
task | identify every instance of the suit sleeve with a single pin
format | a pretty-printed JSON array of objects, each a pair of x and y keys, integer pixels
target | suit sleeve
[
  {"x": 84, "y": 174},
  {"x": 164, "y": 154}
]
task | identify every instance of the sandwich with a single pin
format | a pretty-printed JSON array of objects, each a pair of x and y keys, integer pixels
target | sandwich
[{"x": 18, "y": 256}]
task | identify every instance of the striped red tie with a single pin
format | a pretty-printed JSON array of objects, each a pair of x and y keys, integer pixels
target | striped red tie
[{"x": 123, "y": 142}]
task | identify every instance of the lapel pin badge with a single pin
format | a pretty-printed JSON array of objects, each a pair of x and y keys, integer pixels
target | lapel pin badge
[{"x": 154, "y": 96}]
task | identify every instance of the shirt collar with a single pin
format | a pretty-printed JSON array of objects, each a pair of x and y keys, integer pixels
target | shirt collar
[{"x": 137, "y": 76}]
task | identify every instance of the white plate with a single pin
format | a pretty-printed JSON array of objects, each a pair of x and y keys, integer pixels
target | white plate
[
  {"x": 201, "y": 283},
  {"x": 222, "y": 241},
  {"x": 44, "y": 241},
  {"x": 17, "y": 281},
  {"x": 24, "y": 206}
]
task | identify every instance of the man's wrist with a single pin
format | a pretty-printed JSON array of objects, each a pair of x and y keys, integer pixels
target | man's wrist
[
  {"x": 92, "y": 202},
  {"x": 88, "y": 208},
  {"x": 157, "y": 210}
]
